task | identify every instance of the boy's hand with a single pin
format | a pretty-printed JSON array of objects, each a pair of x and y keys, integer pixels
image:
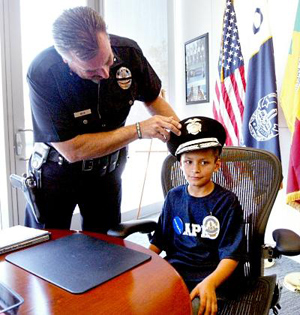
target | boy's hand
[{"x": 206, "y": 290}]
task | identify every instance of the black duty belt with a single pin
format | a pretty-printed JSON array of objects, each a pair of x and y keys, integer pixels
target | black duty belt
[{"x": 105, "y": 164}]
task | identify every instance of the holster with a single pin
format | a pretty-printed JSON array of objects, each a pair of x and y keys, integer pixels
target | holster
[
  {"x": 38, "y": 158},
  {"x": 31, "y": 184},
  {"x": 29, "y": 187}
]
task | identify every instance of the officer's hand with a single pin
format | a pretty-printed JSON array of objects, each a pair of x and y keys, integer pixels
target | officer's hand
[{"x": 159, "y": 127}]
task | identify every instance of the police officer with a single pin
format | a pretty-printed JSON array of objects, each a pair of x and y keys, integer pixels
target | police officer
[{"x": 81, "y": 92}]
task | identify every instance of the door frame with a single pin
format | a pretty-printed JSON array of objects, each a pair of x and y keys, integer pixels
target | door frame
[
  {"x": 12, "y": 201},
  {"x": 12, "y": 99}
]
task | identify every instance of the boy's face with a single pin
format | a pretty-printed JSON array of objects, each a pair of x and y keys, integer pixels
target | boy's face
[{"x": 198, "y": 167}]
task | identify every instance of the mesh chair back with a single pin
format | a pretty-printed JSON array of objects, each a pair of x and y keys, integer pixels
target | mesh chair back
[{"x": 255, "y": 177}]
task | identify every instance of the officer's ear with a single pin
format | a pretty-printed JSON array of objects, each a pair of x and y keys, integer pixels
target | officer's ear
[
  {"x": 67, "y": 57},
  {"x": 67, "y": 60}
]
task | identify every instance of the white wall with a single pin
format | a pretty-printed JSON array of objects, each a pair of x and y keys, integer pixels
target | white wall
[{"x": 196, "y": 17}]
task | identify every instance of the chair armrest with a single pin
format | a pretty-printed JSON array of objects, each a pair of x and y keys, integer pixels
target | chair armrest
[
  {"x": 287, "y": 242},
  {"x": 124, "y": 229}
]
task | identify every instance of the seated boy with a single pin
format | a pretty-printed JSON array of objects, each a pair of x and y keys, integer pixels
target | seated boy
[{"x": 201, "y": 224}]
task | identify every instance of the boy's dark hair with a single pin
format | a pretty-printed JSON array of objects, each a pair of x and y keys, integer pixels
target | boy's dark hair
[{"x": 215, "y": 151}]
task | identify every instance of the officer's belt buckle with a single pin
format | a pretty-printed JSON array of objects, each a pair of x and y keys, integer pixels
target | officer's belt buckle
[{"x": 87, "y": 165}]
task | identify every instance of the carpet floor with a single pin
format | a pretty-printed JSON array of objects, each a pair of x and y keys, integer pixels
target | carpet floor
[{"x": 289, "y": 301}]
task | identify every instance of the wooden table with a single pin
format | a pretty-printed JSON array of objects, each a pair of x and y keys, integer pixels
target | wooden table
[{"x": 151, "y": 288}]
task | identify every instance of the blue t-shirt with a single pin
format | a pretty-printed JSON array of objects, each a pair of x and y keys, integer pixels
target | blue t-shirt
[{"x": 197, "y": 233}]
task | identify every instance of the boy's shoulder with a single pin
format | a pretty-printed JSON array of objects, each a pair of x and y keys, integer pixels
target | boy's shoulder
[
  {"x": 223, "y": 191},
  {"x": 176, "y": 194},
  {"x": 178, "y": 190},
  {"x": 227, "y": 199}
]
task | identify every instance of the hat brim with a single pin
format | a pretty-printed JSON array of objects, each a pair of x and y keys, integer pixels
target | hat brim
[{"x": 197, "y": 144}]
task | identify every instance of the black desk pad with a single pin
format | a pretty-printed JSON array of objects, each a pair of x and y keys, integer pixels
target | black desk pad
[{"x": 77, "y": 262}]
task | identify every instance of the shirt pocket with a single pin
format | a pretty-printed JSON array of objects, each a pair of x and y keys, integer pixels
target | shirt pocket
[{"x": 116, "y": 102}]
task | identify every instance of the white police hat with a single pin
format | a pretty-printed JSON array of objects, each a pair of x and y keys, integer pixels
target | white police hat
[{"x": 197, "y": 133}]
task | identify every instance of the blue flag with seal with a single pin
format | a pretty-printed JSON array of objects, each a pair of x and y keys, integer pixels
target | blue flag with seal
[{"x": 260, "y": 122}]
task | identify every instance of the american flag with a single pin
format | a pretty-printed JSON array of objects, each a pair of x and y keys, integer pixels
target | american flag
[{"x": 228, "y": 105}]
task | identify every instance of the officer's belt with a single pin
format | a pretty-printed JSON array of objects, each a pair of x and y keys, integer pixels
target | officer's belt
[{"x": 105, "y": 164}]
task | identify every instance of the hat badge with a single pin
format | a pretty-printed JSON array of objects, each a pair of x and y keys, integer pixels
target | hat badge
[
  {"x": 124, "y": 78},
  {"x": 193, "y": 126}
]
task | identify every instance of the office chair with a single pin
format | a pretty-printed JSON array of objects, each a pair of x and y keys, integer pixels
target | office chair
[{"x": 255, "y": 177}]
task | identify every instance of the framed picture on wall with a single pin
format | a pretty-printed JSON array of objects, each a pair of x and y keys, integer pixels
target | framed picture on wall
[{"x": 196, "y": 70}]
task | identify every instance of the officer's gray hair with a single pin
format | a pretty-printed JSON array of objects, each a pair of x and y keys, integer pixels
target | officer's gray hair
[{"x": 75, "y": 30}]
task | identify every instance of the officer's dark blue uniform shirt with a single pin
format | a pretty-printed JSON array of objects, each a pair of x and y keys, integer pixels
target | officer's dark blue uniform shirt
[
  {"x": 182, "y": 231},
  {"x": 64, "y": 105}
]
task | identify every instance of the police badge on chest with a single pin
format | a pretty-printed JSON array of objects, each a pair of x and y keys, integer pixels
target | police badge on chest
[{"x": 124, "y": 78}]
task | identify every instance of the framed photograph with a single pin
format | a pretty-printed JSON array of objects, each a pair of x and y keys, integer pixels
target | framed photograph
[{"x": 196, "y": 70}]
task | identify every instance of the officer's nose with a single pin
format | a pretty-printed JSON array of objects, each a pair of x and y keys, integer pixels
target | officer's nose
[{"x": 104, "y": 72}]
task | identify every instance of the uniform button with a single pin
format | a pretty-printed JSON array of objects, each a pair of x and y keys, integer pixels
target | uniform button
[
  {"x": 85, "y": 121},
  {"x": 103, "y": 125},
  {"x": 130, "y": 102},
  {"x": 60, "y": 160}
]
